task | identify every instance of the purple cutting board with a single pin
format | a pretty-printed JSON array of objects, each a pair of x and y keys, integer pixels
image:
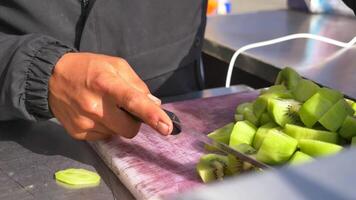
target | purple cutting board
[{"x": 152, "y": 166}]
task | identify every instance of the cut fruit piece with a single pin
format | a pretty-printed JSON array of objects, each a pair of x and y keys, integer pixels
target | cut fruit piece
[
  {"x": 77, "y": 177},
  {"x": 299, "y": 158},
  {"x": 238, "y": 117},
  {"x": 353, "y": 141},
  {"x": 274, "y": 89},
  {"x": 261, "y": 103},
  {"x": 243, "y": 132},
  {"x": 330, "y": 94},
  {"x": 221, "y": 135},
  {"x": 349, "y": 101},
  {"x": 265, "y": 118},
  {"x": 288, "y": 77},
  {"x": 299, "y": 132},
  {"x": 354, "y": 108},
  {"x": 276, "y": 148},
  {"x": 284, "y": 111},
  {"x": 245, "y": 148},
  {"x": 241, "y": 107},
  {"x": 314, "y": 108},
  {"x": 262, "y": 132},
  {"x": 250, "y": 116},
  {"x": 304, "y": 90},
  {"x": 212, "y": 167},
  {"x": 235, "y": 165},
  {"x": 348, "y": 128},
  {"x": 317, "y": 148},
  {"x": 335, "y": 116}
]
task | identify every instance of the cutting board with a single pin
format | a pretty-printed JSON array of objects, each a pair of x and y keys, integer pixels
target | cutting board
[{"x": 153, "y": 166}]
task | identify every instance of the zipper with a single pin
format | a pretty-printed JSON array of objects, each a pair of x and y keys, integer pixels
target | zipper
[{"x": 81, "y": 22}]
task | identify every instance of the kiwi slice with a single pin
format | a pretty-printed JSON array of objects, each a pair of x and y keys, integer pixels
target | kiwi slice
[
  {"x": 212, "y": 167},
  {"x": 330, "y": 94},
  {"x": 348, "y": 128},
  {"x": 304, "y": 90},
  {"x": 238, "y": 117},
  {"x": 77, "y": 177},
  {"x": 245, "y": 148},
  {"x": 241, "y": 107},
  {"x": 276, "y": 148},
  {"x": 314, "y": 108},
  {"x": 317, "y": 148},
  {"x": 261, "y": 103},
  {"x": 274, "y": 89},
  {"x": 335, "y": 116},
  {"x": 243, "y": 132},
  {"x": 349, "y": 101},
  {"x": 265, "y": 118},
  {"x": 288, "y": 77},
  {"x": 221, "y": 135},
  {"x": 299, "y": 158},
  {"x": 235, "y": 165},
  {"x": 250, "y": 116},
  {"x": 284, "y": 111},
  {"x": 262, "y": 131},
  {"x": 299, "y": 132}
]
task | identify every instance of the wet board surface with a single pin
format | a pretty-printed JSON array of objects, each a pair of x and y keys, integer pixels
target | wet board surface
[{"x": 153, "y": 166}]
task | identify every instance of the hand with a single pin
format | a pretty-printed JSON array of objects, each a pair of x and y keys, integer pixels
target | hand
[{"x": 86, "y": 92}]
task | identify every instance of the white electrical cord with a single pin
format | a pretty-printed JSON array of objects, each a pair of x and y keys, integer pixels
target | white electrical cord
[{"x": 282, "y": 39}]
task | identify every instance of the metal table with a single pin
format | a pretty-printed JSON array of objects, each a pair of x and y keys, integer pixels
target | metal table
[
  {"x": 323, "y": 63},
  {"x": 30, "y": 154}
]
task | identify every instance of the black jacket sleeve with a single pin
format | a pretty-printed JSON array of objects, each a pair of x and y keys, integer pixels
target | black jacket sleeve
[
  {"x": 351, "y": 4},
  {"x": 26, "y": 63}
]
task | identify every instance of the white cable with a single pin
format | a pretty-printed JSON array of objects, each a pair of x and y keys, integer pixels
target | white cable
[{"x": 282, "y": 39}]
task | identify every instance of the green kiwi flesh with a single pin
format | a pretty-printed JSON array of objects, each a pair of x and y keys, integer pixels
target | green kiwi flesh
[
  {"x": 284, "y": 111},
  {"x": 265, "y": 118},
  {"x": 245, "y": 148},
  {"x": 262, "y": 131},
  {"x": 335, "y": 116},
  {"x": 274, "y": 89},
  {"x": 276, "y": 148},
  {"x": 238, "y": 117},
  {"x": 250, "y": 116},
  {"x": 299, "y": 132},
  {"x": 304, "y": 90},
  {"x": 212, "y": 167},
  {"x": 221, "y": 135},
  {"x": 243, "y": 132},
  {"x": 241, "y": 107},
  {"x": 299, "y": 158},
  {"x": 261, "y": 103},
  {"x": 288, "y": 77},
  {"x": 348, "y": 128},
  {"x": 317, "y": 148}
]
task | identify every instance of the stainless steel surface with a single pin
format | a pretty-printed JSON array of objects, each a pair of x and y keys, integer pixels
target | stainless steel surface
[
  {"x": 30, "y": 154},
  {"x": 315, "y": 60}
]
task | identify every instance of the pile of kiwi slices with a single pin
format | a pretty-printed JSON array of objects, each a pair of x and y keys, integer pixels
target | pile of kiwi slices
[{"x": 291, "y": 122}]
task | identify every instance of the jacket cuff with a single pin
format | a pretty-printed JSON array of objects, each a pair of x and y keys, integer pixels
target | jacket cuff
[{"x": 38, "y": 74}]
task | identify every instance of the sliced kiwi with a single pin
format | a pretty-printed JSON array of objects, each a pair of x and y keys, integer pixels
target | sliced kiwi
[
  {"x": 314, "y": 108},
  {"x": 304, "y": 90},
  {"x": 241, "y": 107},
  {"x": 276, "y": 148},
  {"x": 262, "y": 131},
  {"x": 212, "y": 167},
  {"x": 317, "y": 148},
  {"x": 330, "y": 94},
  {"x": 299, "y": 158},
  {"x": 349, "y": 101},
  {"x": 274, "y": 89},
  {"x": 265, "y": 118},
  {"x": 238, "y": 117},
  {"x": 250, "y": 116},
  {"x": 284, "y": 111},
  {"x": 245, "y": 148},
  {"x": 243, "y": 132},
  {"x": 235, "y": 165},
  {"x": 288, "y": 77},
  {"x": 335, "y": 116},
  {"x": 299, "y": 132},
  {"x": 354, "y": 108},
  {"x": 261, "y": 103},
  {"x": 221, "y": 135},
  {"x": 78, "y": 177},
  {"x": 348, "y": 128}
]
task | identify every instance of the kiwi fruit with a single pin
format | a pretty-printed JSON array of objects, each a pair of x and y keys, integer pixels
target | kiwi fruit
[
  {"x": 284, "y": 111},
  {"x": 349, "y": 101},
  {"x": 288, "y": 77},
  {"x": 274, "y": 89},
  {"x": 261, "y": 103},
  {"x": 353, "y": 141},
  {"x": 330, "y": 94},
  {"x": 221, "y": 135},
  {"x": 212, "y": 167},
  {"x": 318, "y": 148},
  {"x": 235, "y": 165},
  {"x": 299, "y": 132},
  {"x": 249, "y": 115},
  {"x": 245, "y": 148},
  {"x": 276, "y": 148},
  {"x": 304, "y": 90},
  {"x": 241, "y": 107},
  {"x": 335, "y": 116},
  {"x": 265, "y": 118},
  {"x": 313, "y": 109},
  {"x": 238, "y": 117},
  {"x": 243, "y": 132},
  {"x": 348, "y": 128},
  {"x": 299, "y": 158},
  {"x": 262, "y": 131}
]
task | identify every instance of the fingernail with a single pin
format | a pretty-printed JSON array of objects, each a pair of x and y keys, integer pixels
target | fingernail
[
  {"x": 155, "y": 99},
  {"x": 163, "y": 128}
]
